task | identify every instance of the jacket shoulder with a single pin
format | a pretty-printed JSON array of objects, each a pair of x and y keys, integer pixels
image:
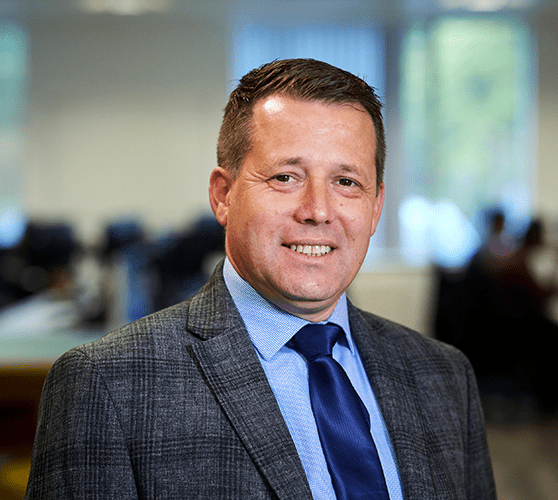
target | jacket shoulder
[
  {"x": 159, "y": 333},
  {"x": 414, "y": 345}
]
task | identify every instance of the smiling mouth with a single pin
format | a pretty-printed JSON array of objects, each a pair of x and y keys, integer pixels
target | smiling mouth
[{"x": 311, "y": 250}]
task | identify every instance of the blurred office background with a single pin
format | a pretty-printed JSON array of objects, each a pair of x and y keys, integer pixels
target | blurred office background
[{"x": 109, "y": 115}]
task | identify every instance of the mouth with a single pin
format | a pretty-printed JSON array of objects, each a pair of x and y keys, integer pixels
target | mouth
[{"x": 311, "y": 250}]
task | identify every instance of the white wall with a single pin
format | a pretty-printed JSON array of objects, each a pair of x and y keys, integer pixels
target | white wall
[
  {"x": 402, "y": 295},
  {"x": 123, "y": 119}
]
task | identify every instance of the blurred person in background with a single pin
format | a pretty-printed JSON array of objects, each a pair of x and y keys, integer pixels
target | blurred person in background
[{"x": 499, "y": 310}]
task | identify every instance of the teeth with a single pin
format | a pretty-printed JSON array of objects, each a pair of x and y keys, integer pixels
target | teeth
[{"x": 312, "y": 250}]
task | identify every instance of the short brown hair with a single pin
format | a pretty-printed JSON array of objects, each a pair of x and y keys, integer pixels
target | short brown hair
[{"x": 305, "y": 79}]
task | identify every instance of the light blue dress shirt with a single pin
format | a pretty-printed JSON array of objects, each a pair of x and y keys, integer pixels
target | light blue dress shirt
[{"x": 270, "y": 328}]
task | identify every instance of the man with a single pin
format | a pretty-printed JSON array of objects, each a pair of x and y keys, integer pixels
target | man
[{"x": 214, "y": 398}]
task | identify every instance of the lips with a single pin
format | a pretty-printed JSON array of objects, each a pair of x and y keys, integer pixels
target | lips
[{"x": 311, "y": 250}]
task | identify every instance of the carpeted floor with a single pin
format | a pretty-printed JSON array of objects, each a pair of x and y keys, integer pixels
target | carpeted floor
[{"x": 525, "y": 460}]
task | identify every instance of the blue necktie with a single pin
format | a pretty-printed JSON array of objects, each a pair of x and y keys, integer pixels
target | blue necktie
[{"x": 341, "y": 417}]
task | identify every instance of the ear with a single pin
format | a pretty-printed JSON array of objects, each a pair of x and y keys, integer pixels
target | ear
[
  {"x": 378, "y": 205},
  {"x": 220, "y": 183}
]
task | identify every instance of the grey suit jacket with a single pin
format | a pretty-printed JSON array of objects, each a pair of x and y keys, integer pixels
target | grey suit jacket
[{"x": 177, "y": 406}]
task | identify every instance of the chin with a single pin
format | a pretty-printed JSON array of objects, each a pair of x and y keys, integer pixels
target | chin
[{"x": 307, "y": 294}]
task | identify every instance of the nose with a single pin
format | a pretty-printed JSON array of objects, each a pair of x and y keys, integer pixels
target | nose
[{"x": 316, "y": 205}]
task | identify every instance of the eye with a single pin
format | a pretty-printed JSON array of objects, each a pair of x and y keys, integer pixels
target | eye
[
  {"x": 347, "y": 182},
  {"x": 283, "y": 178}
]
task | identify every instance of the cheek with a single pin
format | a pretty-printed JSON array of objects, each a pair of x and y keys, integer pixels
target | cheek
[
  {"x": 358, "y": 223},
  {"x": 264, "y": 215},
  {"x": 250, "y": 232}
]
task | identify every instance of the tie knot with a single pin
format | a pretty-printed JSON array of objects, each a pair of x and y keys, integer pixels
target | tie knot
[{"x": 314, "y": 341}]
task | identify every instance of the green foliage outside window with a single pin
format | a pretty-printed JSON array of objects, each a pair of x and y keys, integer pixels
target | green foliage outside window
[{"x": 466, "y": 106}]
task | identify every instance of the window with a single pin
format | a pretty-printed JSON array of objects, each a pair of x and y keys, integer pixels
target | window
[
  {"x": 359, "y": 50},
  {"x": 466, "y": 106}
]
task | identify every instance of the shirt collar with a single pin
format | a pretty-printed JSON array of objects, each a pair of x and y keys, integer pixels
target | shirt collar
[{"x": 269, "y": 327}]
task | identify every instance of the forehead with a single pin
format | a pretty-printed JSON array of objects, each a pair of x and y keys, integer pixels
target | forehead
[{"x": 277, "y": 110}]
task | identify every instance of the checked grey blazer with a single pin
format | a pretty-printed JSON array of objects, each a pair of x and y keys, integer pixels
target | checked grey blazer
[{"x": 177, "y": 406}]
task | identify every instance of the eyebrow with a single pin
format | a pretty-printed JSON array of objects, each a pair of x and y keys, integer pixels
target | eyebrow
[
  {"x": 284, "y": 162},
  {"x": 289, "y": 161},
  {"x": 298, "y": 160},
  {"x": 351, "y": 169},
  {"x": 344, "y": 167}
]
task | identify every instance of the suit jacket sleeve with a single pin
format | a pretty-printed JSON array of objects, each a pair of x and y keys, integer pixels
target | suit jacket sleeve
[
  {"x": 80, "y": 450},
  {"x": 480, "y": 480}
]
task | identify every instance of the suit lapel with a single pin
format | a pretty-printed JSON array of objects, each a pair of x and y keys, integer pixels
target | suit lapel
[
  {"x": 234, "y": 373},
  {"x": 395, "y": 390}
]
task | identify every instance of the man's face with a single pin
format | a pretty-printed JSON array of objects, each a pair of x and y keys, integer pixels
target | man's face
[{"x": 300, "y": 213}]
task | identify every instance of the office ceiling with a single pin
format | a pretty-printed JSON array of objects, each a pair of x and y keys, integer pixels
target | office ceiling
[{"x": 274, "y": 10}]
